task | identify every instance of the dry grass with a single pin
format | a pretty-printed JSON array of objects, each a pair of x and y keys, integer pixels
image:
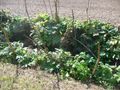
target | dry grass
[{"x": 29, "y": 79}]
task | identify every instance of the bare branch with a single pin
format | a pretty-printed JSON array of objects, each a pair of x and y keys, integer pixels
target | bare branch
[
  {"x": 85, "y": 47},
  {"x": 50, "y": 7},
  {"x": 56, "y": 2},
  {"x": 73, "y": 22},
  {"x": 87, "y": 10},
  {"x": 45, "y": 6},
  {"x": 26, "y": 9},
  {"x": 98, "y": 60}
]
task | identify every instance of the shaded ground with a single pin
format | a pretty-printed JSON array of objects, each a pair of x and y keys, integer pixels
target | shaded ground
[
  {"x": 36, "y": 80},
  {"x": 105, "y": 10}
]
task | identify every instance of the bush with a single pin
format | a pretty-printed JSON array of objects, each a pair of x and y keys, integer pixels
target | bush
[
  {"x": 16, "y": 27},
  {"x": 104, "y": 75},
  {"x": 19, "y": 28},
  {"x": 117, "y": 74},
  {"x": 55, "y": 61},
  {"x": 86, "y": 37},
  {"x": 78, "y": 67},
  {"x": 23, "y": 56},
  {"x": 48, "y": 32},
  {"x": 5, "y": 19},
  {"x": 68, "y": 66},
  {"x": 77, "y": 53}
]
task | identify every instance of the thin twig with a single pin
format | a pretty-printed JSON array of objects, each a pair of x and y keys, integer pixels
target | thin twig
[
  {"x": 73, "y": 22},
  {"x": 58, "y": 81},
  {"x": 85, "y": 47},
  {"x": 50, "y": 8},
  {"x": 98, "y": 60},
  {"x": 34, "y": 43},
  {"x": 45, "y": 6},
  {"x": 56, "y": 2},
  {"x": 58, "y": 5},
  {"x": 87, "y": 10},
  {"x": 26, "y": 9}
]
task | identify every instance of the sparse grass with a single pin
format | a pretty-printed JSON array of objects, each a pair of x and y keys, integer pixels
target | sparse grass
[
  {"x": 6, "y": 82},
  {"x": 29, "y": 79},
  {"x": 22, "y": 83}
]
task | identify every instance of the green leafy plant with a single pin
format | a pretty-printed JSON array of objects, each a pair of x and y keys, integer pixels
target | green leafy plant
[
  {"x": 76, "y": 59},
  {"x": 79, "y": 70},
  {"x": 88, "y": 34},
  {"x": 117, "y": 74},
  {"x": 25, "y": 57},
  {"x": 48, "y": 32},
  {"x": 19, "y": 28},
  {"x": 105, "y": 76},
  {"x": 16, "y": 27},
  {"x": 55, "y": 61},
  {"x": 68, "y": 66},
  {"x": 5, "y": 19}
]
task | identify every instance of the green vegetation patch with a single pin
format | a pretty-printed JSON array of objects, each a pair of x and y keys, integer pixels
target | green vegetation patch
[{"x": 63, "y": 47}]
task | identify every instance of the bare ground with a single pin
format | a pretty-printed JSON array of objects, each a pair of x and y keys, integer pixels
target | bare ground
[
  {"x": 29, "y": 79},
  {"x": 105, "y": 10}
]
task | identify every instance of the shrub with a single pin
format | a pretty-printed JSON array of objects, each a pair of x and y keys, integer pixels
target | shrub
[
  {"x": 86, "y": 37},
  {"x": 68, "y": 66},
  {"x": 117, "y": 74},
  {"x": 78, "y": 68},
  {"x": 81, "y": 40},
  {"x": 55, "y": 61},
  {"x": 25, "y": 57},
  {"x": 5, "y": 19},
  {"x": 48, "y": 32},
  {"x": 19, "y": 28},
  {"x": 16, "y": 27},
  {"x": 104, "y": 75}
]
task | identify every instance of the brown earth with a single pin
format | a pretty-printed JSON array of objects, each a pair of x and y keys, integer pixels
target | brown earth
[{"x": 105, "y": 10}]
